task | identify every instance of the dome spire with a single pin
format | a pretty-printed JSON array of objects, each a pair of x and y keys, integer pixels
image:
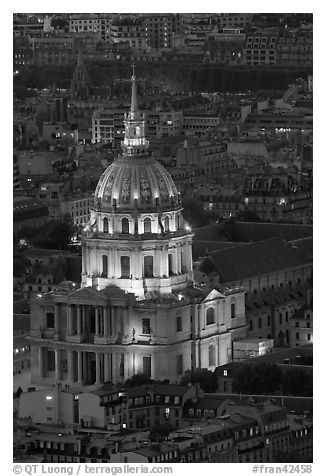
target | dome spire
[{"x": 134, "y": 105}]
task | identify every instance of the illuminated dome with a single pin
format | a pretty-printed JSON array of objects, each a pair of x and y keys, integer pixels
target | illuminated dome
[{"x": 141, "y": 183}]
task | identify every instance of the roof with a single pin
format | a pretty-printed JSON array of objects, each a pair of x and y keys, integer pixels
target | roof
[
  {"x": 252, "y": 259},
  {"x": 206, "y": 403},
  {"x": 23, "y": 206},
  {"x": 277, "y": 356},
  {"x": 246, "y": 232},
  {"x": 201, "y": 248},
  {"x": 157, "y": 389}
]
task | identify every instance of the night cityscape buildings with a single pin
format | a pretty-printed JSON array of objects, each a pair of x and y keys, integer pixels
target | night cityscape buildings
[{"x": 163, "y": 238}]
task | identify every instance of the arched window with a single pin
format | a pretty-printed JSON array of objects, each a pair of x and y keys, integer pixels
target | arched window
[
  {"x": 105, "y": 225},
  {"x": 148, "y": 266},
  {"x": 232, "y": 311},
  {"x": 125, "y": 226},
  {"x": 125, "y": 266},
  {"x": 210, "y": 318},
  {"x": 166, "y": 224},
  {"x": 147, "y": 225},
  {"x": 211, "y": 355},
  {"x": 104, "y": 266},
  {"x": 179, "y": 323}
]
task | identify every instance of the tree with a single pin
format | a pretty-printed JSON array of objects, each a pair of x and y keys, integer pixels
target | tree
[
  {"x": 137, "y": 379},
  {"x": 248, "y": 216},
  {"x": 160, "y": 432},
  {"x": 193, "y": 212},
  {"x": 206, "y": 379},
  {"x": 262, "y": 378},
  {"x": 297, "y": 382}
]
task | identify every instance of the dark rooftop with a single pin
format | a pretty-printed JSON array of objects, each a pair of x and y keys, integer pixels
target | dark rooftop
[{"x": 252, "y": 259}]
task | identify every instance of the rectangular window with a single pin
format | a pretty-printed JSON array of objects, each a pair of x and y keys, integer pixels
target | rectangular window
[
  {"x": 179, "y": 364},
  {"x": 148, "y": 266},
  {"x": 125, "y": 267},
  {"x": 146, "y": 326},
  {"x": 308, "y": 337},
  {"x": 147, "y": 366},
  {"x": 179, "y": 323},
  {"x": 50, "y": 361},
  {"x": 50, "y": 320}
]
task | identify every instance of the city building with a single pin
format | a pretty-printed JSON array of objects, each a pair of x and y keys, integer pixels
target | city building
[
  {"x": 29, "y": 212},
  {"x": 301, "y": 323},
  {"x": 160, "y": 29},
  {"x": 199, "y": 123},
  {"x": 272, "y": 421},
  {"x": 260, "y": 48},
  {"x": 21, "y": 345},
  {"x": 77, "y": 206},
  {"x": 53, "y": 50},
  {"x": 130, "y": 31},
  {"x": 137, "y": 310}
]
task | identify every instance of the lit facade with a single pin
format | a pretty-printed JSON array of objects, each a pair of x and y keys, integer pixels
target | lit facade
[{"x": 137, "y": 310}]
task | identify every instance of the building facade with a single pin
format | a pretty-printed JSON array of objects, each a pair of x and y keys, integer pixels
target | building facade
[{"x": 137, "y": 310}]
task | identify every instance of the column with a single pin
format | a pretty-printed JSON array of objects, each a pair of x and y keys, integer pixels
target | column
[
  {"x": 114, "y": 367},
  {"x": 153, "y": 365},
  {"x": 80, "y": 367},
  {"x": 98, "y": 368},
  {"x": 113, "y": 314},
  {"x": 56, "y": 318},
  {"x": 110, "y": 264},
  {"x": 105, "y": 321},
  {"x": 41, "y": 362},
  {"x": 106, "y": 367},
  {"x": 165, "y": 262},
  {"x": 57, "y": 355},
  {"x": 78, "y": 319},
  {"x": 85, "y": 366},
  {"x": 69, "y": 319},
  {"x": 126, "y": 325},
  {"x": 179, "y": 259},
  {"x": 84, "y": 326},
  {"x": 97, "y": 327},
  {"x": 70, "y": 366}
]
